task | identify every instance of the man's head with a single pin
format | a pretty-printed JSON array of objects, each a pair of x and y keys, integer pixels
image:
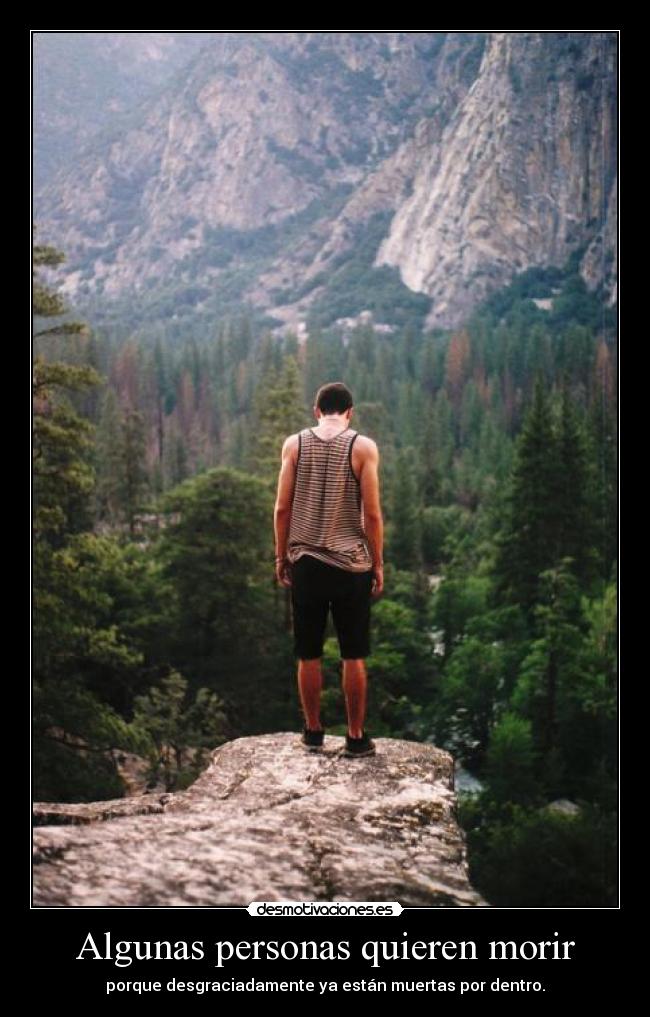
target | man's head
[{"x": 333, "y": 398}]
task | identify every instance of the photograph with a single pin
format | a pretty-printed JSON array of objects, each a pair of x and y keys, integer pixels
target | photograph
[{"x": 324, "y": 497}]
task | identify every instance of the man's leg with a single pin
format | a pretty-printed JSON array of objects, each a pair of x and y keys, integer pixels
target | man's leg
[
  {"x": 310, "y": 683},
  {"x": 355, "y": 683},
  {"x": 310, "y": 608},
  {"x": 351, "y": 614}
]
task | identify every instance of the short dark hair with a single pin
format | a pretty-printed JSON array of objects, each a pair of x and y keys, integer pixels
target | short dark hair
[{"x": 335, "y": 397}]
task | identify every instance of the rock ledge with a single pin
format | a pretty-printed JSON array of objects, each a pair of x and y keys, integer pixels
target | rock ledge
[{"x": 266, "y": 821}]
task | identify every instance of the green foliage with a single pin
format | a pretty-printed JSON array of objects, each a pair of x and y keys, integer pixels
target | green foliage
[
  {"x": 406, "y": 541},
  {"x": 172, "y": 724},
  {"x": 541, "y": 858},
  {"x": 572, "y": 302},
  {"x": 75, "y": 736},
  {"x": 510, "y": 761},
  {"x": 357, "y": 286},
  {"x": 63, "y": 480},
  {"x": 75, "y": 610},
  {"x": 217, "y": 557},
  {"x": 62, "y": 438},
  {"x": 214, "y": 542},
  {"x": 569, "y": 694},
  {"x": 469, "y": 691},
  {"x": 548, "y": 514},
  {"x": 437, "y": 527},
  {"x": 455, "y": 603},
  {"x": 498, "y": 473},
  {"x": 277, "y": 412},
  {"x": 74, "y": 731},
  {"x": 81, "y": 655}
]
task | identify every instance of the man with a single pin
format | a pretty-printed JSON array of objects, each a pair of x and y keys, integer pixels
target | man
[{"x": 329, "y": 551}]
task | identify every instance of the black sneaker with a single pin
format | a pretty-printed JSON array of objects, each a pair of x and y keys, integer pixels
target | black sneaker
[
  {"x": 363, "y": 746},
  {"x": 312, "y": 740}
]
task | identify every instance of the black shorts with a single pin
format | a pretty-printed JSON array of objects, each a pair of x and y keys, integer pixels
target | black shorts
[{"x": 315, "y": 586}]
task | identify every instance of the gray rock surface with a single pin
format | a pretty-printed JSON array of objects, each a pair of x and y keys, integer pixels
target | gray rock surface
[
  {"x": 266, "y": 820},
  {"x": 522, "y": 174}
]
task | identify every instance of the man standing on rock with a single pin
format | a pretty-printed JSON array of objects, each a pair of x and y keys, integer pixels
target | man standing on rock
[{"x": 329, "y": 551}]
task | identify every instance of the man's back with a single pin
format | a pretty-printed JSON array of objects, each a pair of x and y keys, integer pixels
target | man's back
[{"x": 327, "y": 517}]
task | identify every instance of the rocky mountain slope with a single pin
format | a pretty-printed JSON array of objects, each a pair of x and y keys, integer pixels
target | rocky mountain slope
[
  {"x": 522, "y": 174},
  {"x": 86, "y": 82},
  {"x": 264, "y": 167}
]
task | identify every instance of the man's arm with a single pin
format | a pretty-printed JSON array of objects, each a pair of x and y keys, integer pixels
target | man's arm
[
  {"x": 284, "y": 497},
  {"x": 372, "y": 516}
]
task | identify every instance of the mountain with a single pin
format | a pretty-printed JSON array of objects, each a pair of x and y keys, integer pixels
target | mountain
[
  {"x": 524, "y": 173},
  {"x": 88, "y": 81},
  {"x": 317, "y": 174}
]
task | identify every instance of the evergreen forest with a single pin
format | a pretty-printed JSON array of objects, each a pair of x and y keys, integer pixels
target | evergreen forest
[{"x": 160, "y": 631}]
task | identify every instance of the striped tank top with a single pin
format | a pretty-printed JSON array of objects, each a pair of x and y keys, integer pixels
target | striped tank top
[{"x": 327, "y": 510}]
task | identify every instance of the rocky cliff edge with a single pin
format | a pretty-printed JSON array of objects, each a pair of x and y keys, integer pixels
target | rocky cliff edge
[{"x": 266, "y": 821}]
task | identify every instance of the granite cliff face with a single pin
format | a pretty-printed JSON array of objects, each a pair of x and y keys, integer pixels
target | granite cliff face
[
  {"x": 266, "y": 821},
  {"x": 523, "y": 173},
  {"x": 269, "y": 155}
]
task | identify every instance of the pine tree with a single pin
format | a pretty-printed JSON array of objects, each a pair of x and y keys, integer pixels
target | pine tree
[
  {"x": 62, "y": 471},
  {"x": 278, "y": 411},
  {"x": 605, "y": 493},
  {"x": 430, "y": 478},
  {"x": 444, "y": 444},
  {"x": 73, "y": 730},
  {"x": 576, "y": 532},
  {"x": 133, "y": 475},
  {"x": 175, "y": 726},
  {"x": 160, "y": 380},
  {"x": 548, "y": 675},
  {"x": 529, "y": 538},
  {"x": 107, "y": 493},
  {"x": 406, "y": 524}
]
